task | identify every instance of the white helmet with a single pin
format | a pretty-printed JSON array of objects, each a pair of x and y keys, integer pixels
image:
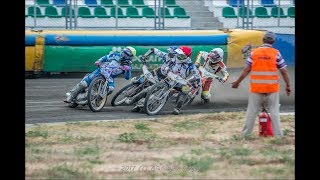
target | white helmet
[{"x": 215, "y": 55}]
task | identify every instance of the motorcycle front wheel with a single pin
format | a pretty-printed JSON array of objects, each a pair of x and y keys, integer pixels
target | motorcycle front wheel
[
  {"x": 122, "y": 95},
  {"x": 95, "y": 101},
  {"x": 155, "y": 101}
]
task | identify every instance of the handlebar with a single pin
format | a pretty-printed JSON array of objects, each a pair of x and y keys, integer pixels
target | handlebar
[{"x": 143, "y": 60}]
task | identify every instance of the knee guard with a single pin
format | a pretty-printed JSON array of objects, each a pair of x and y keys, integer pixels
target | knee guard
[
  {"x": 207, "y": 84},
  {"x": 111, "y": 87},
  {"x": 76, "y": 90},
  {"x": 83, "y": 84}
]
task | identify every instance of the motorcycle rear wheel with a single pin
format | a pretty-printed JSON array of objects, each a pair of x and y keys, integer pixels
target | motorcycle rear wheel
[
  {"x": 118, "y": 102},
  {"x": 95, "y": 101}
]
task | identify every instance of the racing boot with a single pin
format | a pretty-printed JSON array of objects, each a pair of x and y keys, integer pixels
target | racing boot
[
  {"x": 75, "y": 91},
  {"x": 182, "y": 98},
  {"x": 176, "y": 111},
  {"x": 205, "y": 95},
  {"x": 135, "y": 109},
  {"x": 138, "y": 106}
]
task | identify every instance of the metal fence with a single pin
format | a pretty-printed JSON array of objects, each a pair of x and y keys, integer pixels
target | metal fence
[{"x": 277, "y": 15}]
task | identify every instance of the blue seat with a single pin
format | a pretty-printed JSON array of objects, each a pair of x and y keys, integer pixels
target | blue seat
[
  {"x": 91, "y": 2},
  {"x": 268, "y": 3},
  {"x": 59, "y": 2},
  {"x": 234, "y": 3}
]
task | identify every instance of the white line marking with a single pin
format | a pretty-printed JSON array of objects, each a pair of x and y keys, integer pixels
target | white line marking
[{"x": 142, "y": 119}]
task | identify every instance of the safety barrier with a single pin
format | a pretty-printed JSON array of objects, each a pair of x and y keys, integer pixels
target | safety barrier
[{"x": 76, "y": 51}]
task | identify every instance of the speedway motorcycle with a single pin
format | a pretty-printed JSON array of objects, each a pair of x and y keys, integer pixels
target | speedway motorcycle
[
  {"x": 95, "y": 95},
  {"x": 136, "y": 89},
  {"x": 161, "y": 92}
]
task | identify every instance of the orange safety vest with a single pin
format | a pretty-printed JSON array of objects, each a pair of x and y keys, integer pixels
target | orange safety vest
[{"x": 264, "y": 76}]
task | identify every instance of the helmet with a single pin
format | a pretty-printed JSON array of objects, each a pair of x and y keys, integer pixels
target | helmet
[
  {"x": 269, "y": 37},
  {"x": 171, "y": 51},
  {"x": 183, "y": 53},
  {"x": 215, "y": 56},
  {"x": 128, "y": 52}
]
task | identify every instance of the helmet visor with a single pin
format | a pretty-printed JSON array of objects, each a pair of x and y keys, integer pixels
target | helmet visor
[
  {"x": 214, "y": 58},
  {"x": 181, "y": 57},
  {"x": 126, "y": 54}
]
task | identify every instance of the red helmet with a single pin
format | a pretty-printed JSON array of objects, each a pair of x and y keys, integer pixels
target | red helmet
[
  {"x": 186, "y": 50},
  {"x": 183, "y": 52}
]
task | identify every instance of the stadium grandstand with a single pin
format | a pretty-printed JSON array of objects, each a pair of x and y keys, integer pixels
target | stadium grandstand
[{"x": 275, "y": 15}]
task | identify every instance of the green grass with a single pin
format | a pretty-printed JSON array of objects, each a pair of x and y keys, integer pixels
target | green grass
[
  {"x": 188, "y": 147},
  {"x": 200, "y": 164},
  {"x": 88, "y": 151},
  {"x": 37, "y": 133},
  {"x": 240, "y": 151},
  {"x": 136, "y": 137},
  {"x": 142, "y": 127},
  {"x": 66, "y": 171},
  {"x": 188, "y": 125}
]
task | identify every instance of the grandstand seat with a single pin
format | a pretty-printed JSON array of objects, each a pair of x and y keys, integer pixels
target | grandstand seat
[
  {"x": 100, "y": 12},
  {"x": 274, "y": 12},
  {"x": 166, "y": 12},
  {"x": 120, "y": 12},
  {"x": 171, "y": 3},
  {"x": 59, "y": 2},
  {"x": 123, "y": 3},
  {"x": 63, "y": 11},
  {"x": 91, "y": 3},
  {"x": 180, "y": 12},
  {"x": 138, "y": 3},
  {"x": 51, "y": 12},
  {"x": 148, "y": 12},
  {"x": 31, "y": 12},
  {"x": 84, "y": 12},
  {"x": 107, "y": 3},
  {"x": 243, "y": 12},
  {"x": 291, "y": 12},
  {"x": 261, "y": 12},
  {"x": 132, "y": 12},
  {"x": 228, "y": 12},
  {"x": 267, "y": 3},
  {"x": 43, "y": 2},
  {"x": 234, "y": 3}
]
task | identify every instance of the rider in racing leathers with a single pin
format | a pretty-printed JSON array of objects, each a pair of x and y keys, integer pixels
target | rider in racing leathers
[
  {"x": 178, "y": 62},
  {"x": 213, "y": 64},
  {"x": 110, "y": 66},
  {"x": 138, "y": 79}
]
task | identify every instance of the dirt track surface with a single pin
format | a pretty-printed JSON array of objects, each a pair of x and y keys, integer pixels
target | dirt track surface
[{"x": 44, "y": 101}]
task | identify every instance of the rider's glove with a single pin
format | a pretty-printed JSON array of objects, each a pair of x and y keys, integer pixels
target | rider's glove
[
  {"x": 97, "y": 63},
  {"x": 246, "y": 48},
  {"x": 143, "y": 58},
  {"x": 224, "y": 79}
]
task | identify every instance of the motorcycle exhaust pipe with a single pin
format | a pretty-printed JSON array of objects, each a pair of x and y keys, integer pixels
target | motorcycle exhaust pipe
[{"x": 137, "y": 97}]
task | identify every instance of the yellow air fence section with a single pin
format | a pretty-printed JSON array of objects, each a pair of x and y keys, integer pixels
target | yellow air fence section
[
  {"x": 238, "y": 38},
  {"x": 29, "y": 58}
]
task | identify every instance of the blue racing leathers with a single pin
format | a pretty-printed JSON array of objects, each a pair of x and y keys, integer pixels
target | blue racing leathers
[{"x": 111, "y": 66}]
